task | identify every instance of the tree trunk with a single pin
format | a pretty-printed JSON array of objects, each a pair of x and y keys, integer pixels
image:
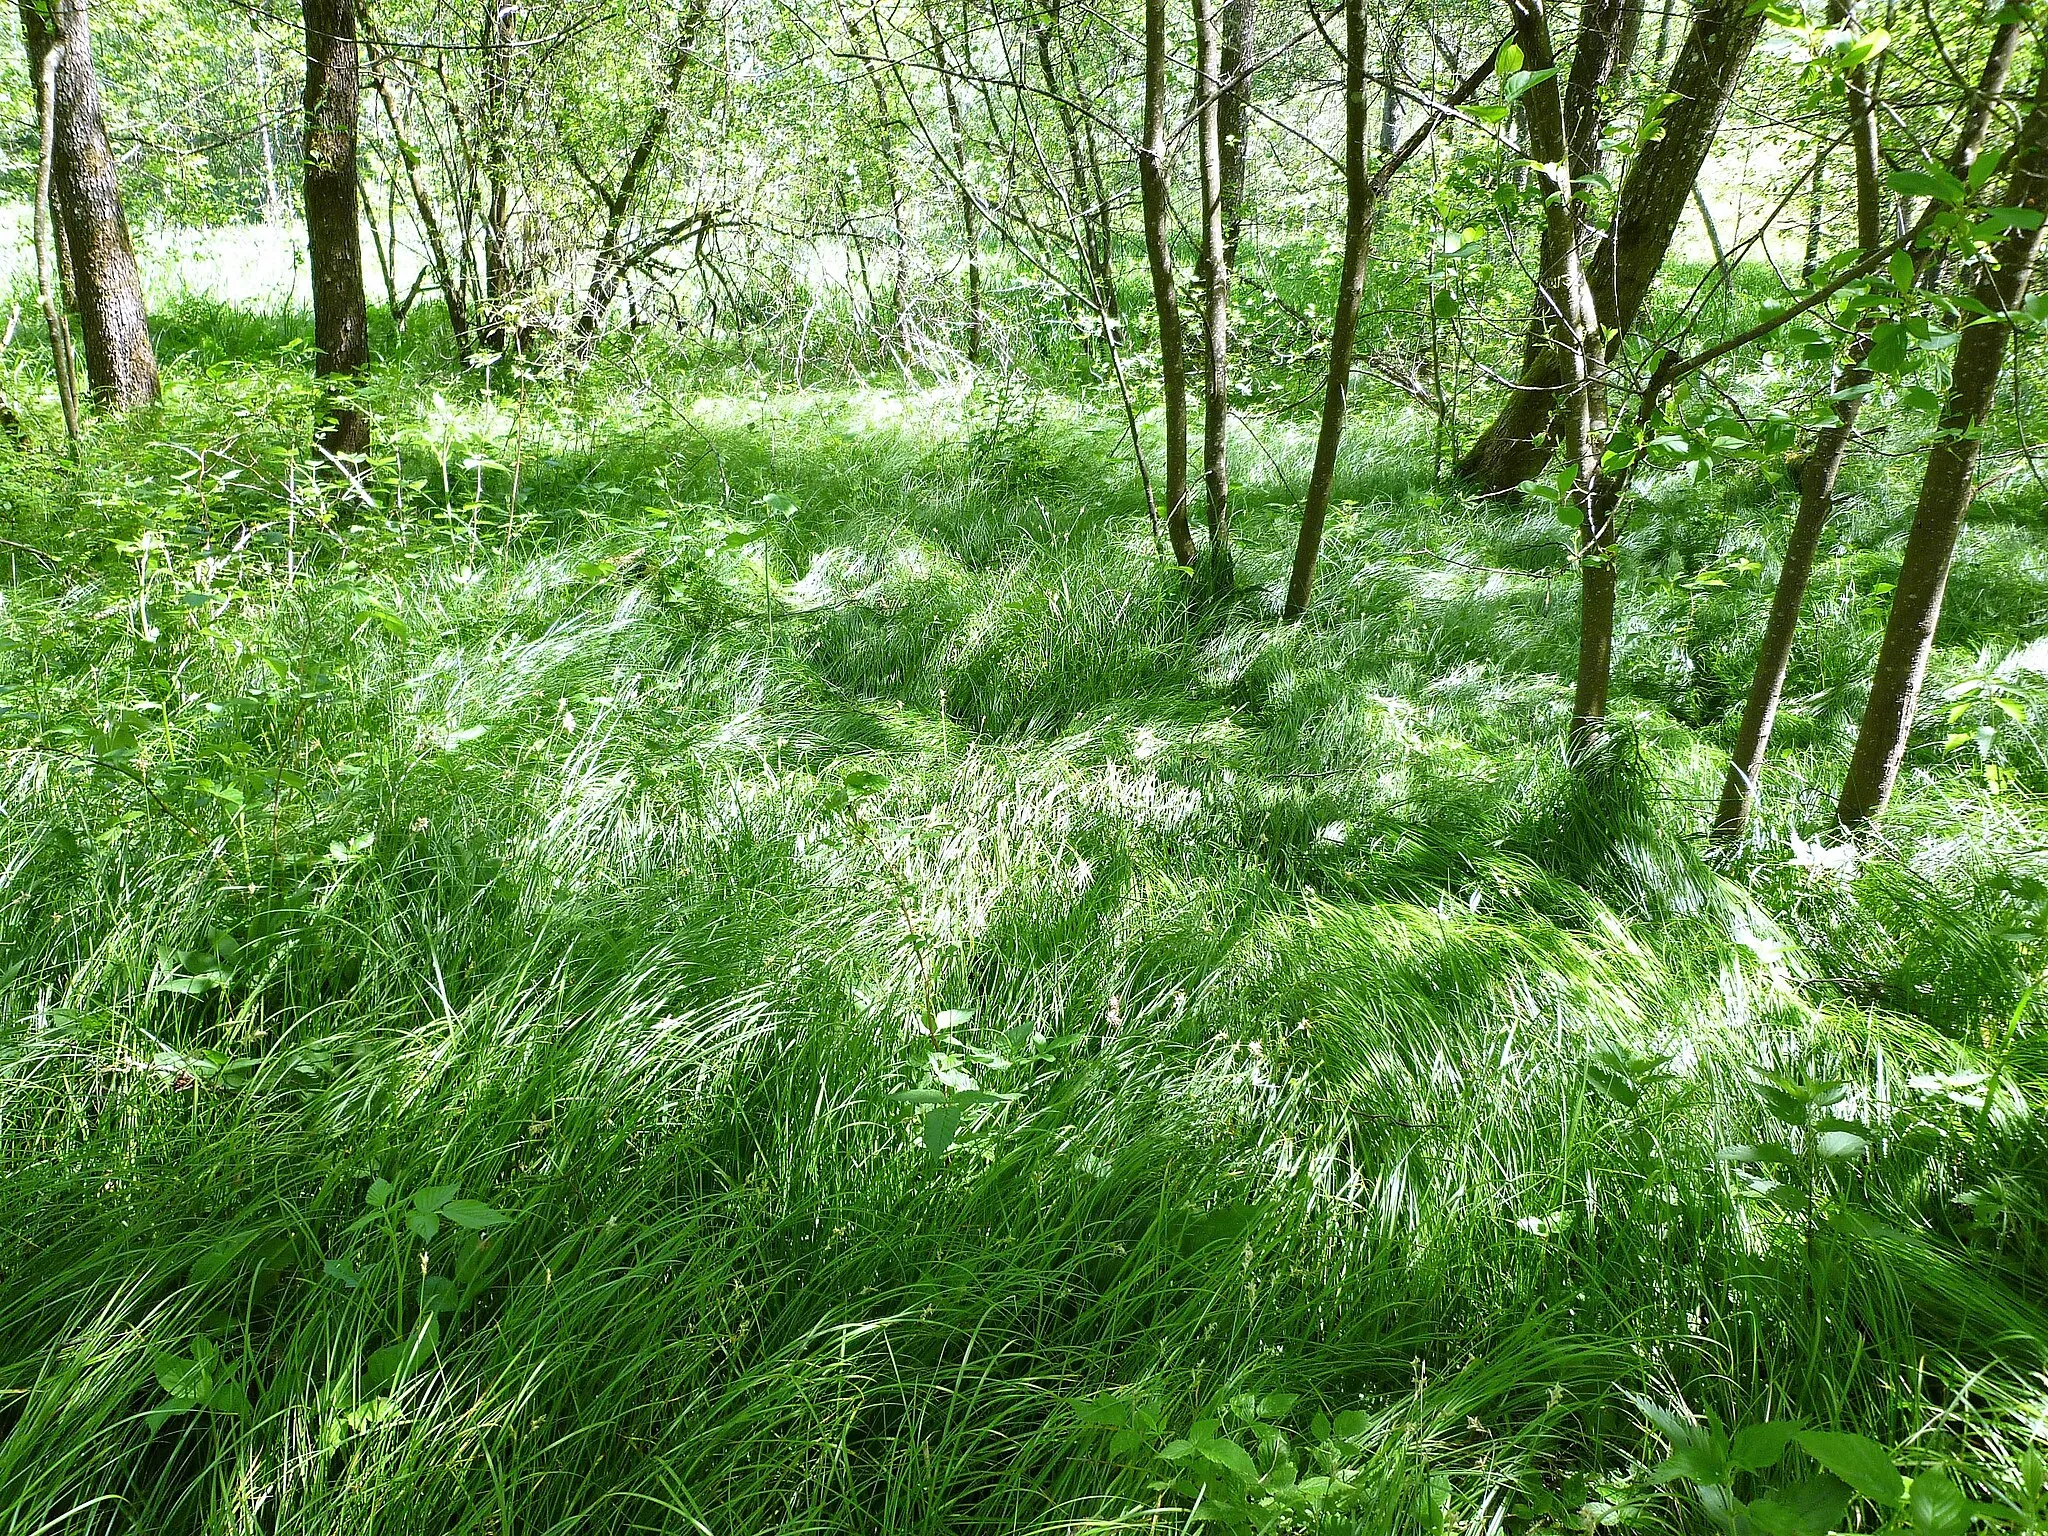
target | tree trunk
[
  {"x": 120, "y": 363},
  {"x": 1946, "y": 488},
  {"x": 1362, "y": 201},
  {"x": 53, "y": 316},
  {"x": 1647, "y": 211},
  {"x": 1344, "y": 326},
  {"x": 1390, "y": 99},
  {"x": 500, "y": 19},
  {"x": 1088, "y": 210},
  {"x": 334, "y": 242},
  {"x": 1822, "y": 465},
  {"x": 1234, "y": 117},
  {"x": 1824, "y": 461},
  {"x": 1173, "y": 372},
  {"x": 445, "y": 276},
  {"x": 970, "y": 216},
  {"x": 1810, "y": 261},
  {"x": 1215, "y": 280},
  {"x": 1574, "y": 330},
  {"x": 610, "y": 265}
]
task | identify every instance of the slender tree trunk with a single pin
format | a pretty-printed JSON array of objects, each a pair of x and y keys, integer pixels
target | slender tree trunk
[
  {"x": 1234, "y": 117},
  {"x": 500, "y": 21},
  {"x": 1823, "y": 462},
  {"x": 970, "y": 216},
  {"x": 885, "y": 126},
  {"x": 273, "y": 198},
  {"x": 1947, "y": 488},
  {"x": 1699, "y": 202},
  {"x": 67, "y": 283},
  {"x": 446, "y": 277},
  {"x": 1215, "y": 279},
  {"x": 53, "y": 317},
  {"x": 120, "y": 363},
  {"x": 1362, "y": 201},
  {"x": 1088, "y": 209},
  {"x": 1648, "y": 207},
  {"x": 1575, "y": 344},
  {"x": 334, "y": 242},
  {"x": 1390, "y": 99},
  {"x": 1154, "y": 190},
  {"x": 1810, "y": 262},
  {"x": 610, "y": 265},
  {"x": 1344, "y": 326}
]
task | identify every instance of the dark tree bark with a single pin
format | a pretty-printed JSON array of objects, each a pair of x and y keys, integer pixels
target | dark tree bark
[
  {"x": 1173, "y": 370},
  {"x": 53, "y": 315},
  {"x": 1823, "y": 462},
  {"x": 334, "y": 241},
  {"x": 1947, "y": 487},
  {"x": 120, "y": 363},
  {"x": 1215, "y": 280},
  {"x": 1651, "y": 201},
  {"x": 1234, "y": 117}
]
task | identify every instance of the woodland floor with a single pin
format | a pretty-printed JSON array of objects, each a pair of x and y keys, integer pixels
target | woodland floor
[{"x": 750, "y": 993}]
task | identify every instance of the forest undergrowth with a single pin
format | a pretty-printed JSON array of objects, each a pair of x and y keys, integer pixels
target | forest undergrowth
[{"x": 697, "y": 958}]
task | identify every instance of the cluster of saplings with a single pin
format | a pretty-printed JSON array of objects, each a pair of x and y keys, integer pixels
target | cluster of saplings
[{"x": 1609, "y": 151}]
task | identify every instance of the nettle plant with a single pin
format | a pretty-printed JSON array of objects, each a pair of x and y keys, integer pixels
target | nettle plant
[
  {"x": 1743, "y": 1484},
  {"x": 1240, "y": 1466}
]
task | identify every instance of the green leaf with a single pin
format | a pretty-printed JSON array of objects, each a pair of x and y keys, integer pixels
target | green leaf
[
  {"x": 1758, "y": 1447},
  {"x": 426, "y": 1226},
  {"x": 1862, "y": 1463},
  {"x": 1935, "y": 183},
  {"x": 432, "y": 1199},
  {"x": 941, "y": 1127},
  {"x": 1903, "y": 273},
  {"x": 1836, "y": 1146},
  {"x": 1936, "y": 1506},
  {"x": 378, "y": 1192},
  {"x": 473, "y": 1215},
  {"x": 228, "y": 1397},
  {"x": 343, "y": 1272},
  {"x": 1703, "y": 1461},
  {"x": 395, "y": 1362},
  {"x": 1277, "y": 1405},
  {"x": 210, "y": 1265},
  {"x": 1813, "y": 1507},
  {"x": 1232, "y": 1457}
]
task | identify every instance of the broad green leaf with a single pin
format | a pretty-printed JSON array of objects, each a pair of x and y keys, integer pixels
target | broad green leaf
[
  {"x": 1232, "y": 1457},
  {"x": 941, "y": 1127},
  {"x": 1837, "y": 1146},
  {"x": 1758, "y": 1447},
  {"x": 473, "y": 1215},
  {"x": 433, "y": 1198},
  {"x": 1936, "y": 1506},
  {"x": 1813, "y": 1507},
  {"x": 1858, "y": 1461}
]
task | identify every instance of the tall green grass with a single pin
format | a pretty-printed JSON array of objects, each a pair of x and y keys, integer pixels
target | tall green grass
[{"x": 744, "y": 993}]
